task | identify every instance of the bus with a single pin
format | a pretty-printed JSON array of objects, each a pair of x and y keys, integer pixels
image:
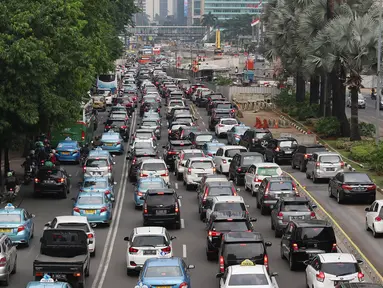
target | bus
[
  {"x": 145, "y": 55},
  {"x": 82, "y": 130},
  {"x": 109, "y": 81}
]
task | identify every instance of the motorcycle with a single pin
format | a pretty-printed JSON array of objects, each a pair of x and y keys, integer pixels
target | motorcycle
[
  {"x": 10, "y": 194},
  {"x": 373, "y": 96}
]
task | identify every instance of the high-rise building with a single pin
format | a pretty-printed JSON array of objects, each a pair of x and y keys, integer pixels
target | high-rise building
[
  {"x": 179, "y": 12},
  {"x": 195, "y": 10},
  {"x": 227, "y": 9},
  {"x": 141, "y": 4},
  {"x": 152, "y": 8},
  {"x": 163, "y": 8}
]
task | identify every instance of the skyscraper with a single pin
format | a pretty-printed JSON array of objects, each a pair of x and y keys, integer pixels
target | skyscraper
[
  {"x": 224, "y": 10},
  {"x": 163, "y": 8}
]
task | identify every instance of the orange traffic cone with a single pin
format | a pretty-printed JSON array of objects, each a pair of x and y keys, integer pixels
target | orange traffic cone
[
  {"x": 276, "y": 124},
  {"x": 265, "y": 124}
]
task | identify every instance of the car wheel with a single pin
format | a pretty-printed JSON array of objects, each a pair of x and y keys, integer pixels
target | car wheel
[
  {"x": 263, "y": 210},
  {"x": 339, "y": 198},
  {"x": 292, "y": 264},
  {"x": 329, "y": 192},
  {"x": 281, "y": 253},
  {"x": 236, "y": 181},
  {"x": 277, "y": 233},
  {"x": 14, "y": 270},
  {"x": 366, "y": 224},
  {"x": 374, "y": 234},
  {"x": 292, "y": 164},
  {"x": 253, "y": 193},
  {"x": 302, "y": 168},
  {"x": 315, "y": 180},
  {"x": 63, "y": 194},
  {"x": 272, "y": 224},
  {"x": 188, "y": 187},
  {"x": 177, "y": 226},
  {"x": 6, "y": 280},
  {"x": 179, "y": 176}
]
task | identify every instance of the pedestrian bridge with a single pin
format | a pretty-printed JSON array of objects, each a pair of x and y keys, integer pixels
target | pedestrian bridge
[{"x": 169, "y": 32}]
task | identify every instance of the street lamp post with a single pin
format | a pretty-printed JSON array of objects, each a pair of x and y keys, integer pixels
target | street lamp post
[{"x": 379, "y": 81}]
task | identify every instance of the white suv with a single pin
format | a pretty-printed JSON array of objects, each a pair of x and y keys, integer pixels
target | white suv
[
  {"x": 145, "y": 243},
  {"x": 224, "y": 155},
  {"x": 195, "y": 169},
  {"x": 225, "y": 125},
  {"x": 181, "y": 159},
  {"x": 152, "y": 167},
  {"x": 234, "y": 204}
]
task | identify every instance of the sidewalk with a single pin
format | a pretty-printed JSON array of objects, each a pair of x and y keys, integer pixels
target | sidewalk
[{"x": 15, "y": 159}]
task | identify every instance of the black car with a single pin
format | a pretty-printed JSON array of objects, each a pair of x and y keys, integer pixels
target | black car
[
  {"x": 223, "y": 222},
  {"x": 303, "y": 153},
  {"x": 184, "y": 132},
  {"x": 256, "y": 140},
  {"x": 52, "y": 181},
  {"x": 302, "y": 236},
  {"x": 119, "y": 126},
  {"x": 218, "y": 115},
  {"x": 240, "y": 163},
  {"x": 199, "y": 138},
  {"x": 352, "y": 186},
  {"x": 281, "y": 149},
  {"x": 161, "y": 206},
  {"x": 239, "y": 246},
  {"x": 212, "y": 98},
  {"x": 135, "y": 157},
  {"x": 174, "y": 129},
  {"x": 172, "y": 149}
]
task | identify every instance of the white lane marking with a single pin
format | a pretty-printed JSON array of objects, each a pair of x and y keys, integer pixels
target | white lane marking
[
  {"x": 182, "y": 223},
  {"x": 184, "y": 251},
  {"x": 176, "y": 185},
  {"x": 109, "y": 242},
  {"x": 180, "y": 203},
  {"x": 77, "y": 172},
  {"x": 206, "y": 130},
  {"x": 203, "y": 123}
]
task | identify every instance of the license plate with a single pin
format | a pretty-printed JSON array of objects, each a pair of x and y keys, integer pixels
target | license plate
[
  {"x": 5, "y": 230},
  {"x": 296, "y": 217},
  {"x": 330, "y": 169},
  {"x": 150, "y": 252},
  {"x": 288, "y": 152},
  {"x": 359, "y": 188},
  {"x": 163, "y": 286},
  {"x": 339, "y": 282},
  {"x": 59, "y": 276},
  {"x": 90, "y": 211},
  {"x": 49, "y": 181},
  {"x": 97, "y": 173},
  {"x": 109, "y": 144},
  {"x": 161, "y": 212},
  {"x": 65, "y": 153},
  {"x": 201, "y": 174}
]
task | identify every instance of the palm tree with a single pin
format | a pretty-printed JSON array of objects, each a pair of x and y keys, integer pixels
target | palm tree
[{"x": 208, "y": 20}]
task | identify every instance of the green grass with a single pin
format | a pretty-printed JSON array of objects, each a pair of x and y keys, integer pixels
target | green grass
[{"x": 378, "y": 179}]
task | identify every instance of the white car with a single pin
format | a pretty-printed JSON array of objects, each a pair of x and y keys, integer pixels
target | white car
[
  {"x": 247, "y": 275},
  {"x": 175, "y": 103},
  {"x": 144, "y": 134},
  {"x": 259, "y": 171},
  {"x": 181, "y": 159},
  {"x": 224, "y": 155},
  {"x": 75, "y": 222},
  {"x": 374, "y": 218},
  {"x": 361, "y": 101},
  {"x": 329, "y": 269},
  {"x": 143, "y": 143},
  {"x": 225, "y": 125},
  {"x": 234, "y": 204},
  {"x": 107, "y": 94},
  {"x": 145, "y": 243},
  {"x": 195, "y": 169},
  {"x": 152, "y": 167},
  {"x": 198, "y": 91}
]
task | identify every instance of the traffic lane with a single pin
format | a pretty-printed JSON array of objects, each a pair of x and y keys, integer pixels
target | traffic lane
[
  {"x": 45, "y": 209},
  {"x": 351, "y": 217}
]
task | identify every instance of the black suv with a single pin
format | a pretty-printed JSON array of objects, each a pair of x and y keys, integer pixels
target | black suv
[
  {"x": 135, "y": 157},
  {"x": 119, "y": 126},
  {"x": 302, "y": 236},
  {"x": 223, "y": 222},
  {"x": 172, "y": 149},
  {"x": 161, "y": 206},
  {"x": 272, "y": 189},
  {"x": 52, "y": 181},
  {"x": 256, "y": 140},
  {"x": 217, "y": 115},
  {"x": 240, "y": 163},
  {"x": 281, "y": 149},
  {"x": 239, "y": 246},
  {"x": 303, "y": 154}
]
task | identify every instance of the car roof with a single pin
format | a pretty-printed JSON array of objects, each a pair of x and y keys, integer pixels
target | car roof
[
  {"x": 243, "y": 236},
  {"x": 215, "y": 176},
  {"x": 228, "y": 199},
  {"x": 252, "y": 154},
  {"x": 145, "y": 151},
  {"x": 151, "y": 179},
  {"x": 98, "y": 153},
  {"x": 144, "y": 130},
  {"x": 153, "y": 160},
  {"x": 149, "y": 230},
  {"x": 312, "y": 145},
  {"x": 233, "y": 147},
  {"x": 11, "y": 210},
  {"x": 68, "y": 142},
  {"x": 165, "y": 191},
  {"x": 219, "y": 184},
  {"x": 279, "y": 178},
  {"x": 71, "y": 219},
  {"x": 296, "y": 199},
  {"x": 312, "y": 223},
  {"x": 96, "y": 179},
  {"x": 90, "y": 194},
  {"x": 256, "y": 269},
  {"x": 201, "y": 159},
  {"x": 190, "y": 151},
  {"x": 179, "y": 142},
  {"x": 173, "y": 261},
  {"x": 337, "y": 258}
]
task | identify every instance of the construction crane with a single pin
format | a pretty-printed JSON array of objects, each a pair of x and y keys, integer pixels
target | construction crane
[{"x": 218, "y": 52}]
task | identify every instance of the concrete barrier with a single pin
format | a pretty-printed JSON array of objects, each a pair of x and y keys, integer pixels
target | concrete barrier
[{"x": 302, "y": 138}]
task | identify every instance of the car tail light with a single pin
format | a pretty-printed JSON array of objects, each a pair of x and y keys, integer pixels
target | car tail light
[
  {"x": 371, "y": 187},
  {"x": 317, "y": 165},
  {"x": 346, "y": 187},
  {"x": 143, "y": 175},
  {"x": 360, "y": 276},
  {"x": 307, "y": 156},
  {"x": 280, "y": 216},
  {"x": 221, "y": 125},
  {"x": 172, "y": 152},
  {"x": 266, "y": 261},
  {"x": 145, "y": 208},
  {"x": 76, "y": 209},
  {"x": 213, "y": 233},
  {"x": 166, "y": 173},
  {"x": 110, "y": 166},
  {"x": 295, "y": 247},
  {"x": 176, "y": 209},
  {"x": 342, "y": 164},
  {"x": 224, "y": 161},
  {"x": 189, "y": 171},
  {"x": 37, "y": 180},
  {"x": 232, "y": 110},
  {"x": 234, "y": 192},
  {"x": 256, "y": 179},
  {"x": 320, "y": 276},
  {"x": 82, "y": 135},
  {"x": 183, "y": 285},
  {"x": 103, "y": 209},
  {"x": 334, "y": 249},
  {"x": 267, "y": 191},
  {"x": 167, "y": 249},
  {"x": 312, "y": 215},
  {"x": 378, "y": 219},
  {"x": 90, "y": 236},
  {"x": 60, "y": 180},
  {"x": 134, "y": 161},
  {"x": 239, "y": 170},
  {"x": 107, "y": 192},
  {"x": 170, "y": 131},
  {"x": 3, "y": 261},
  {"x": 210, "y": 154},
  {"x": 124, "y": 127},
  {"x": 20, "y": 228},
  {"x": 221, "y": 264},
  {"x": 108, "y": 127},
  {"x": 214, "y": 170},
  {"x": 133, "y": 250},
  {"x": 277, "y": 149}
]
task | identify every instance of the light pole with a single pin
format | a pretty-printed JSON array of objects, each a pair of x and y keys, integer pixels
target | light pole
[{"x": 379, "y": 81}]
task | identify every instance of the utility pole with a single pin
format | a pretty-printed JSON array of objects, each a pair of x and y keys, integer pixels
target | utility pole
[{"x": 379, "y": 80}]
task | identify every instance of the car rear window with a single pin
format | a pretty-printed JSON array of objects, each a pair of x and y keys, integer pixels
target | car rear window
[
  {"x": 45, "y": 174},
  {"x": 235, "y": 226},
  {"x": 153, "y": 166},
  {"x": 317, "y": 233},
  {"x": 316, "y": 149},
  {"x": 356, "y": 178},
  {"x": 178, "y": 126},
  {"x": 10, "y": 218},
  {"x": 288, "y": 144},
  {"x": 204, "y": 138},
  {"x": 269, "y": 171},
  {"x": 145, "y": 135},
  {"x": 201, "y": 164},
  {"x": 115, "y": 122},
  {"x": 176, "y": 103},
  {"x": 87, "y": 200},
  {"x": 340, "y": 269},
  {"x": 329, "y": 159},
  {"x": 149, "y": 241},
  {"x": 149, "y": 123},
  {"x": 248, "y": 160},
  {"x": 158, "y": 199},
  {"x": 281, "y": 186},
  {"x": 229, "y": 122},
  {"x": 191, "y": 155},
  {"x": 96, "y": 163},
  {"x": 95, "y": 184},
  {"x": 163, "y": 271},
  {"x": 81, "y": 226},
  {"x": 230, "y": 206},
  {"x": 222, "y": 115},
  {"x": 151, "y": 185},
  {"x": 143, "y": 145},
  {"x": 232, "y": 152},
  {"x": 220, "y": 191},
  {"x": 295, "y": 206},
  {"x": 223, "y": 106},
  {"x": 243, "y": 250},
  {"x": 260, "y": 135},
  {"x": 248, "y": 280},
  {"x": 178, "y": 147}
]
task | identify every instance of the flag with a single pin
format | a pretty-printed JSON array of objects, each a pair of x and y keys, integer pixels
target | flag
[{"x": 255, "y": 22}]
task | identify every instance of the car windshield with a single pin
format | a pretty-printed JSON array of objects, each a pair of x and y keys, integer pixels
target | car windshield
[
  {"x": 224, "y": 106},
  {"x": 295, "y": 206},
  {"x": 142, "y": 145},
  {"x": 201, "y": 164},
  {"x": 232, "y": 206},
  {"x": 214, "y": 147},
  {"x": 10, "y": 218},
  {"x": 287, "y": 144},
  {"x": 231, "y": 153},
  {"x": 204, "y": 138},
  {"x": 329, "y": 159},
  {"x": 268, "y": 171},
  {"x": 248, "y": 160},
  {"x": 87, "y": 200},
  {"x": 81, "y": 226},
  {"x": 96, "y": 163},
  {"x": 158, "y": 199},
  {"x": 229, "y": 122},
  {"x": 243, "y": 250},
  {"x": 149, "y": 241},
  {"x": 95, "y": 184},
  {"x": 151, "y": 185},
  {"x": 248, "y": 280},
  {"x": 144, "y": 135},
  {"x": 340, "y": 269},
  {"x": 163, "y": 271},
  {"x": 153, "y": 166},
  {"x": 356, "y": 178},
  {"x": 235, "y": 226},
  {"x": 317, "y": 233},
  {"x": 191, "y": 155},
  {"x": 220, "y": 191}
]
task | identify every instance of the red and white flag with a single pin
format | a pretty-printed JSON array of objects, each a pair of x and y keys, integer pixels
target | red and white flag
[{"x": 255, "y": 22}]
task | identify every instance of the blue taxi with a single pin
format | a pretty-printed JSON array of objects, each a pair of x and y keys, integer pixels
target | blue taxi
[
  {"x": 99, "y": 184},
  {"x": 211, "y": 148},
  {"x": 68, "y": 151},
  {"x": 96, "y": 207},
  {"x": 159, "y": 272},
  {"x": 144, "y": 184},
  {"x": 17, "y": 224},
  {"x": 112, "y": 142},
  {"x": 47, "y": 282}
]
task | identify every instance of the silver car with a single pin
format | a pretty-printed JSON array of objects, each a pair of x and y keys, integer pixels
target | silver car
[
  {"x": 324, "y": 165},
  {"x": 291, "y": 208},
  {"x": 8, "y": 258},
  {"x": 98, "y": 166}
]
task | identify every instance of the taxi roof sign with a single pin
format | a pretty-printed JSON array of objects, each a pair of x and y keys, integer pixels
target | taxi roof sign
[
  {"x": 47, "y": 279},
  {"x": 247, "y": 262},
  {"x": 68, "y": 139},
  {"x": 9, "y": 206}
]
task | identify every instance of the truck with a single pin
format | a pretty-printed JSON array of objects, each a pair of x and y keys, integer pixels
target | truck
[{"x": 64, "y": 256}]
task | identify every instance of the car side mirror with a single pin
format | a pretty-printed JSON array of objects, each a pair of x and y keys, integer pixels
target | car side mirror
[
  {"x": 360, "y": 261},
  {"x": 218, "y": 275},
  {"x": 275, "y": 274},
  {"x": 367, "y": 209},
  {"x": 126, "y": 238},
  {"x": 114, "y": 183},
  {"x": 314, "y": 206},
  {"x": 183, "y": 164},
  {"x": 33, "y": 215},
  {"x": 104, "y": 123},
  {"x": 164, "y": 146},
  {"x": 191, "y": 267},
  {"x": 253, "y": 219},
  {"x": 179, "y": 197},
  {"x": 268, "y": 244},
  {"x": 69, "y": 175},
  {"x": 173, "y": 237},
  {"x": 73, "y": 199},
  {"x": 229, "y": 160},
  {"x": 306, "y": 262},
  {"x": 114, "y": 163},
  {"x": 48, "y": 224},
  {"x": 247, "y": 206}
]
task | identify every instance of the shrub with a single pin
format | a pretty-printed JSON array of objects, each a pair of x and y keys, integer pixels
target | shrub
[
  {"x": 366, "y": 129},
  {"x": 328, "y": 126},
  {"x": 376, "y": 162},
  {"x": 306, "y": 111},
  {"x": 362, "y": 152},
  {"x": 285, "y": 100}
]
